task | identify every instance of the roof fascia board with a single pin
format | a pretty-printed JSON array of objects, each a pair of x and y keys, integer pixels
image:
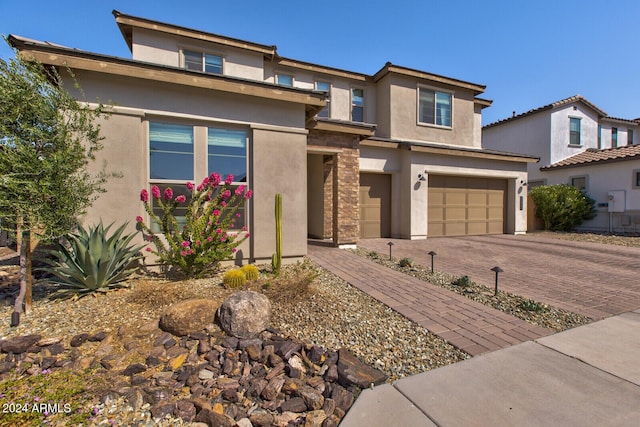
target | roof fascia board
[
  {"x": 390, "y": 68},
  {"x": 115, "y": 66},
  {"x": 591, "y": 163},
  {"x": 286, "y": 62},
  {"x": 470, "y": 153}
]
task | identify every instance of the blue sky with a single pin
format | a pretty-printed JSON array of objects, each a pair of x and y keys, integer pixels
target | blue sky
[{"x": 527, "y": 53}]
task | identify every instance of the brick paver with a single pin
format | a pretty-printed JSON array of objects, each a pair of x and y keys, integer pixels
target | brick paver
[
  {"x": 466, "y": 324},
  {"x": 592, "y": 279}
]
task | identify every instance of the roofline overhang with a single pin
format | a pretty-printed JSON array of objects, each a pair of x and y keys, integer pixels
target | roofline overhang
[
  {"x": 364, "y": 130},
  {"x": 315, "y": 68},
  {"x": 592, "y": 163},
  {"x": 127, "y": 22},
  {"x": 619, "y": 120},
  {"x": 391, "y": 68},
  {"x": 86, "y": 61},
  {"x": 483, "y": 103}
]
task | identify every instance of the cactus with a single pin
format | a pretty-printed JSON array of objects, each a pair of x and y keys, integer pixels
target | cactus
[
  {"x": 250, "y": 271},
  {"x": 276, "y": 259},
  {"x": 234, "y": 279}
]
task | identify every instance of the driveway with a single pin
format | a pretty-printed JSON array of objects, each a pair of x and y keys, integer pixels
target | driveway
[{"x": 592, "y": 279}]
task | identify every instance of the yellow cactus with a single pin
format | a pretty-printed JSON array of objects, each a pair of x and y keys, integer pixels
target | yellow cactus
[
  {"x": 250, "y": 271},
  {"x": 234, "y": 279}
]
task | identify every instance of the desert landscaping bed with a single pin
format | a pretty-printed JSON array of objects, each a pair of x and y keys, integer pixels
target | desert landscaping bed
[{"x": 310, "y": 305}]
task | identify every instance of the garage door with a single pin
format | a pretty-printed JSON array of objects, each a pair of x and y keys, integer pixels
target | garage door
[
  {"x": 375, "y": 205},
  {"x": 463, "y": 206}
]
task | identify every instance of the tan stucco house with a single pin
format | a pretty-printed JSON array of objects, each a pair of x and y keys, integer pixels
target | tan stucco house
[{"x": 394, "y": 154}]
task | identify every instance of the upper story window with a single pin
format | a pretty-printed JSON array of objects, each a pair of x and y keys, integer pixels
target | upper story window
[
  {"x": 574, "y": 131},
  {"x": 200, "y": 61},
  {"x": 357, "y": 105},
  {"x": 170, "y": 151},
  {"x": 599, "y": 137},
  {"x": 284, "y": 80},
  {"x": 434, "y": 107},
  {"x": 614, "y": 137},
  {"x": 325, "y": 87},
  {"x": 629, "y": 136}
]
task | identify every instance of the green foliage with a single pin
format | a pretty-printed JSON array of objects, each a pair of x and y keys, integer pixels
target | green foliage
[
  {"x": 47, "y": 140},
  {"x": 276, "y": 259},
  {"x": 250, "y": 271},
  {"x": 562, "y": 207},
  {"x": 234, "y": 279},
  {"x": 208, "y": 236},
  {"x": 89, "y": 261},
  {"x": 531, "y": 305},
  {"x": 463, "y": 282},
  {"x": 405, "y": 262}
]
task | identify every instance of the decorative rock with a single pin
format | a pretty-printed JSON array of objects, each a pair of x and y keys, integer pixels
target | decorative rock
[
  {"x": 100, "y": 336},
  {"x": 185, "y": 410},
  {"x": 244, "y": 422},
  {"x": 205, "y": 374},
  {"x": 342, "y": 397},
  {"x": 272, "y": 389},
  {"x": 284, "y": 419},
  {"x": 331, "y": 421},
  {"x": 352, "y": 371},
  {"x": 19, "y": 344},
  {"x": 133, "y": 369},
  {"x": 188, "y": 317},
  {"x": 295, "y": 404},
  {"x": 44, "y": 342},
  {"x": 162, "y": 409},
  {"x": 260, "y": 417},
  {"x": 312, "y": 398},
  {"x": 245, "y": 314},
  {"x": 315, "y": 419},
  {"x": 78, "y": 340},
  {"x": 214, "y": 419}
]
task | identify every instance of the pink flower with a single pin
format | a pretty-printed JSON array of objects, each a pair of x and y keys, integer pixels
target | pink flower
[
  {"x": 144, "y": 195},
  {"x": 190, "y": 186},
  {"x": 205, "y": 181},
  {"x": 200, "y": 187},
  {"x": 219, "y": 231},
  {"x": 185, "y": 244},
  {"x": 209, "y": 238},
  {"x": 148, "y": 249},
  {"x": 216, "y": 212},
  {"x": 222, "y": 239},
  {"x": 190, "y": 252},
  {"x": 234, "y": 250},
  {"x": 238, "y": 215},
  {"x": 247, "y": 235},
  {"x": 229, "y": 179},
  {"x": 155, "y": 191},
  {"x": 138, "y": 218},
  {"x": 226, "y": 194},
  {"x": 244, "y": 228},
  {"x": 223, "y": 204},
  {"x": 239, "y": 190},
  {"x": 215, "y": 179},
  {"x": 183, "y": 253},
  {"x": 248, "y": 194},
  {"x": 181, "y": 198},
  {"x": 168, "y": 193},
  {"x": 198, "y": 243}
]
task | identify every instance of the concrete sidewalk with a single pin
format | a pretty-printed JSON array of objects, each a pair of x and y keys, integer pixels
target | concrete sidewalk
[{"x": 587, "y": 376}]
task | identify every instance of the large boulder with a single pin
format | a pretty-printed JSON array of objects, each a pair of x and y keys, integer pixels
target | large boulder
[
  {"x": 245, "y": 314},
  {"x": 189, "y": 316}
]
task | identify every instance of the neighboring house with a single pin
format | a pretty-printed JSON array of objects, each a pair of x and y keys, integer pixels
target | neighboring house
[
  {"x": 578, "y": 144},
  {"x": 395, "y": 154}
]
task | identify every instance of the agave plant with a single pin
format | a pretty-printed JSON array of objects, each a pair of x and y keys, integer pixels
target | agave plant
[{"x": 88, "y": 261}]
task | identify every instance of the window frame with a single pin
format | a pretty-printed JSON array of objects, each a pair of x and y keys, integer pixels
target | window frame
[
  {"x": 164, "y": 121},
  {"x": 203, "y": 55},
  {"x": 435, "y": 91},
  {"x": 577, "y": 120},
  {"x": 599, "y": 136},
  {"x": 635, "y": 179},
  {"x": 629, "y": 136},
  {"x": 614, "y": 137},
  {"x": 326, "y": 111},
  {"x": 586, "y": 182},
  {"x": 277, "y": 75},
  {"x": 352, "y": 105}
]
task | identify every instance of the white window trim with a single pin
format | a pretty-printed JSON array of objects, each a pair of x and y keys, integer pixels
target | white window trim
[
  {"x": 586, "y": 181},
  {"x": 246, "y": 149},
  {"x": 203, "y": 52},
  {"x": 284, "y": 73},
  {"x": 435, "y": 89},
  {"x": 315, "y": 85},
  {"x": 634, "y": 179},
  {"x": 580, "y": 134},
  {"x": 148, "y": 150}
]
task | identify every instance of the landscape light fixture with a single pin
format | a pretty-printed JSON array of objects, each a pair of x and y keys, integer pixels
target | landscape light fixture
[
  {"x": 497, "y": 270},
  {"x": 432, "y": 253},
  {"x": 390, "y": 244}
]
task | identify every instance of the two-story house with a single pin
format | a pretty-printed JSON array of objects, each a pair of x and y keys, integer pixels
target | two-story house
[
  {"x": 394, "y": 154},
  {"x": 580, "y": 145}
]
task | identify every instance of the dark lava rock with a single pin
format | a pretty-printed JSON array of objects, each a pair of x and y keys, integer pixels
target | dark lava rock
[
  {"x": 19, "y": 344},
  {"x": 351, "y": 371}
]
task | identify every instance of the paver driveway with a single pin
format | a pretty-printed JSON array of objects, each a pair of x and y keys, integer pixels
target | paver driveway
[{"x": 593, "y": 279}]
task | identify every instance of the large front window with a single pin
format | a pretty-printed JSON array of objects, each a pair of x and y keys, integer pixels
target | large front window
[
  {"x": 227, "y": 153},
  {"x": 170, "y": 151},
  {"x": 574, "y": 131},
  {"x": 324, "y": 87},
  {"x": 434, "y": 107}
]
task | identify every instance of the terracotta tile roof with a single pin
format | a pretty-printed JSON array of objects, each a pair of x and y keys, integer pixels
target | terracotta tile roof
[
  {"x": 593, "y": 155},
  {"x": 571, "y": 99}
]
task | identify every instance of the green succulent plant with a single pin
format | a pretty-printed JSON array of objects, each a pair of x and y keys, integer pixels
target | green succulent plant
[
  {"x": 250, "y": 271},
  {"x": 89, "y": 261},
  {"x": 234, "y": 279},
  {"x": 406, "y": 262},
  {"x": 531, "y": 305},
  {"x": 463, "y": 281}
]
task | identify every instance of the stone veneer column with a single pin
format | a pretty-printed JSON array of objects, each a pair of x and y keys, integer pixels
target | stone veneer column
[{"x": 341, "y": 186}]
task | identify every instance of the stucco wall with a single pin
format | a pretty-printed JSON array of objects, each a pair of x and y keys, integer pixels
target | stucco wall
[
  {"x": 601, "y": 179},
  {"x": 560, "y": 119},
  {"x": 165, "y": 49}
]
